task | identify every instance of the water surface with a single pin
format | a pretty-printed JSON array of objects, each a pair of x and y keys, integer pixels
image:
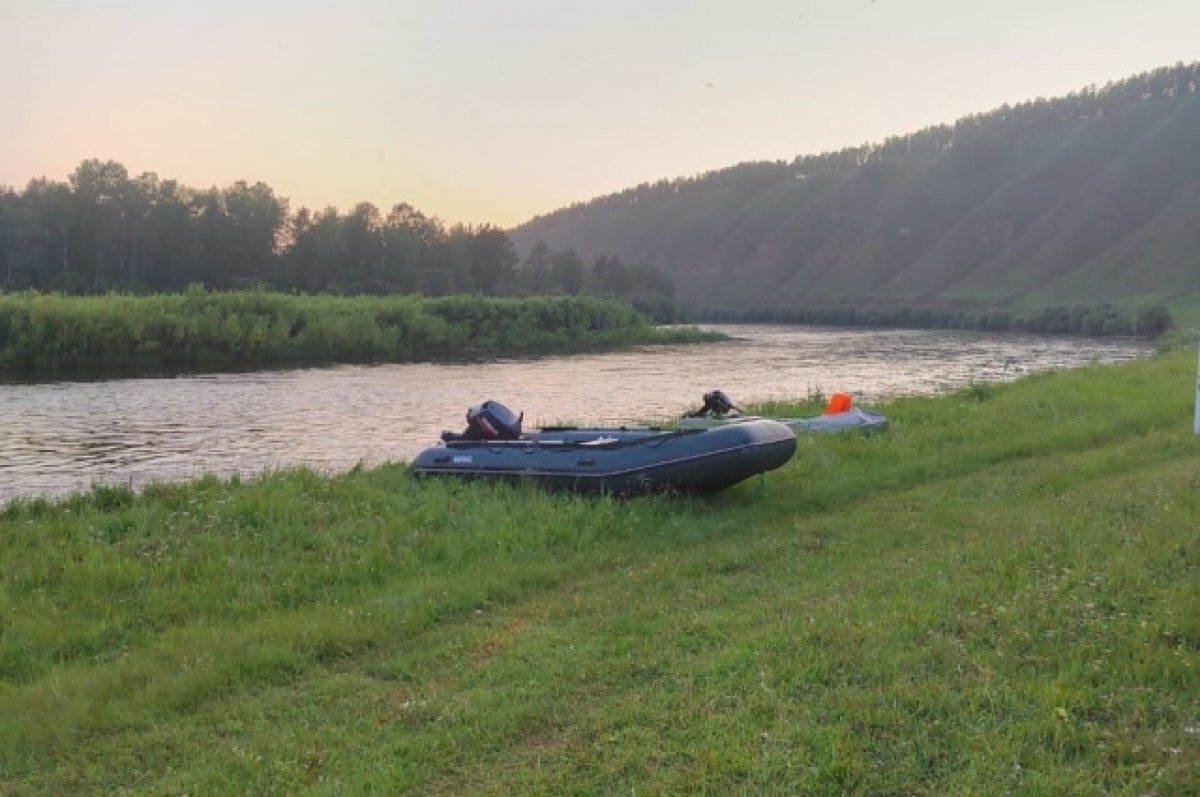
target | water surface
[{"x": 63, "y": 437}]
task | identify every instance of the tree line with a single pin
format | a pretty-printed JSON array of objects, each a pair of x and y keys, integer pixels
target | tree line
[
  {"x": 104, "y": 230},
  {"x": 1148, "y": 321}
]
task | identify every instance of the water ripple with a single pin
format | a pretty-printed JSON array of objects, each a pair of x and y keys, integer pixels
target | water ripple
[{"x": 63, "y": 437}]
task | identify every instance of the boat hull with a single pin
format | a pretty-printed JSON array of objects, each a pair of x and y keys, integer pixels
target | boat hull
[{"x": 619, "y": 461}]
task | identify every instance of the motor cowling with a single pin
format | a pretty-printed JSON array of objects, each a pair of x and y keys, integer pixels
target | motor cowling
[
  {"x": 717, "y": 403},
  {"x": 491, "y": 420}
]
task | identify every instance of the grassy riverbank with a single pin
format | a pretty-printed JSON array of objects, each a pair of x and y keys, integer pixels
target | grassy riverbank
[
  {"x": 1000, "y": 595},
  {"x": 48, "y": 335}
]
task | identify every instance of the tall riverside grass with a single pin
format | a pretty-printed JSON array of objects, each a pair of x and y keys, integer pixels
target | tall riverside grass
[
  {"x": 999, "y": 595},
  {"x": 51, "y": 333}
]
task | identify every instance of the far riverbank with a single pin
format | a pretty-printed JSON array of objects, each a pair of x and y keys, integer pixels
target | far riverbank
[{"x": 50, "y": 336}]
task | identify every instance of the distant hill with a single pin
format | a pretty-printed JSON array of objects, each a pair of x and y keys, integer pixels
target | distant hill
[{"x": 1084, "y": 199}]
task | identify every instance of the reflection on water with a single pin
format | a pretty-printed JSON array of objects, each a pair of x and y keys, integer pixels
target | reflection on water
[{"x": 58, "y": 438}]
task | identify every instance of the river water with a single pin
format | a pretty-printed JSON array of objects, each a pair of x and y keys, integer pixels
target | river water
[{"x": 63, "y": 437}]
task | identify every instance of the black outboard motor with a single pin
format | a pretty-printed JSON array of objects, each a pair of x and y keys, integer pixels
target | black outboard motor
[
  {"x": 715, "y": 403},
  {"x": 491, "y": 420}
]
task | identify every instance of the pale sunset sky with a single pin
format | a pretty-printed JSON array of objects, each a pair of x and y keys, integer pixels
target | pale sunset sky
[{"x": 492, "y": 112}]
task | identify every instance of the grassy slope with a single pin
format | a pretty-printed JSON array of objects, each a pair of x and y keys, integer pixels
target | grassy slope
[
  {"x": 999, "y": 595},
  {"x": 1185, "y": 309}
]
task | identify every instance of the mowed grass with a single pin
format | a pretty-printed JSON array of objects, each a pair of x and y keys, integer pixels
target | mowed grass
[{"x": 999, "y": 595}]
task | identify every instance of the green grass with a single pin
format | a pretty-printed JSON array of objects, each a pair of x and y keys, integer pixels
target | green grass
[
  {"x": 1185, "y": 310},
  {"x": 999, "y": 595},
  {"x": 52, "y": 335}
]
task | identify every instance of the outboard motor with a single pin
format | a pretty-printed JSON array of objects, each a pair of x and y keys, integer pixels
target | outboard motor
[
  {"x": 715, "y": 403},
  {"x": 491, "y": 420}
]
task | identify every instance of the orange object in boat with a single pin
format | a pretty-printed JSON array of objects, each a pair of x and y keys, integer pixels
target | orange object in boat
[{"x": 838, "y": 402}]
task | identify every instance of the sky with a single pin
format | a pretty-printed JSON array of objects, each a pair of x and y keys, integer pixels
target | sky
[{"x": 493, "y": 112}]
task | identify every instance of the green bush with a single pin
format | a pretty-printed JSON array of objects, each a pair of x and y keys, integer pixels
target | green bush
[{"x": 47, "y": 333}]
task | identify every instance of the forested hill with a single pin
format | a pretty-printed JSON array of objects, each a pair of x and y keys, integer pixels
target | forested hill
[{"x": 1089, "y": 198}]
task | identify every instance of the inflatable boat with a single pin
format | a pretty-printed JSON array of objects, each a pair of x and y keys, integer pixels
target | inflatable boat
[
  {"x": 851, "y": 419},
  {"x": 839, "y": 416},
  {"x": 623, "y": 461}
]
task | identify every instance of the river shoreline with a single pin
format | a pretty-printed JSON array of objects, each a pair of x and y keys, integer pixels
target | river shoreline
[
  {"x": 65, "y": 437},
  {"x": 1003, "y": 576}
]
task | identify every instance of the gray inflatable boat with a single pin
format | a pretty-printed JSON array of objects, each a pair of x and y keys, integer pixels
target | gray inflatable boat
[
  {"x": 624, "y": 461},
  {"x": 850, "y": 420},
  {"x": 719, "y": 410}
]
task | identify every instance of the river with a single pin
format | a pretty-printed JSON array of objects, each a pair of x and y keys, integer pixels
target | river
[{"x": 62, "y": 437}]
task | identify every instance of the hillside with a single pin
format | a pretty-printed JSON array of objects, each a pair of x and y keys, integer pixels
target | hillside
[{"x": 1085, "y": 199}]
